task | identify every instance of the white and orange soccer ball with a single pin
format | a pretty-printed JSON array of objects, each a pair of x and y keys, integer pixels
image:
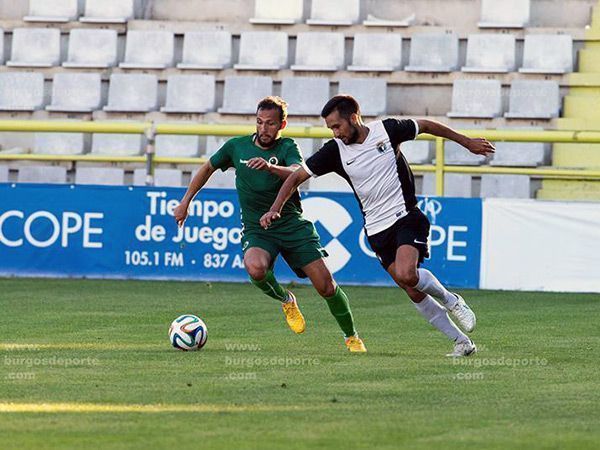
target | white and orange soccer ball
[{"x": 188, "y": 332}]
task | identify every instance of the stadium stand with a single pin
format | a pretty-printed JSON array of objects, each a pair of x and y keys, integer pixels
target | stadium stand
[
  {"x": 534, "y": 99},
  {"x": 76, "y": 92},
  {"x": 117, "y": 144},
  {"x": 190, "y": 94},
  {"x": 455, "y": 185},
  {"x": 263, "y": 50},
  {"x": 149, "y": 50},
  {"x": 92, "y": 49},
  {"x": 505, "y": 14},
  {"x": 52, "y": 11},
  {"x": 20, "y": 91},
  {"x": 456, "y": 156},
  {"x": 222, "y": 180},
  {"x": 476, "y": 99},
  {"x": 376, "y": 52},
  {"x": 177, "y": 146},
  {"x": 162, "y": 177},
  {"x": 417, "y": 152},
  {"x": 42, "y": 174},
  {"x": 433, "y": 52},
  {"x": 108, "y": 11},
  {"x": 59, "y": 143},
  {"x": 305, "y": 95},
  {"x": 35, "y": 47},
  {"x": 521, "y": 154},
  {"x": 334, "y": 12},
  {"x": 330, "y": 182},
  {"x": 277, "y": 12},
  {"x": 205, "y": 50},
  {"x": 490, "y": 53},
  {"x": 370, "y": 93},
  {"x": 547, "y": 53},
  {"x": 1, "y": 46},
  {"x": 3, "y": 174},
  {"x": 106, "y": 176},
  {"x": 241, "y": 93},
  {"x": 132, "y": 93},
  {"x": 319, "y": 51},
  {"x": 505, "y": 186}
]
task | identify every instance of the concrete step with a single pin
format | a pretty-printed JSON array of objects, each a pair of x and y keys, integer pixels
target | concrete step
[
  {"x": 576, "y": 156},
  {"x": 577, "y": 106},
  {"x": 589, "y": 60},
  {"x": 568, "y": 123},
  {"x": 572, "y": 185},
  {"x": 550, "y": 194}
]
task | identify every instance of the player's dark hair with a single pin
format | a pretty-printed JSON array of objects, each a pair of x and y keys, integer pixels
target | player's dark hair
[
  {"x": 274, "y": 102},
  {"x": 345, "y": 105}
]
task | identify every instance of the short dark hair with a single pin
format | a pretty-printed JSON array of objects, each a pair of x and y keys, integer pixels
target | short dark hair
[
  {"x": 345, "y": 105},
  {"x": 274, "y": 102}
]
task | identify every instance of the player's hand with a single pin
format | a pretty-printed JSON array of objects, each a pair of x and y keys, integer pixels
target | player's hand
[
  {"x": 258, "y": 164},
  {"x": 180, "y": 213},
  {"x": 268, "y": 218},
  {"x": 480, "y": 146}
]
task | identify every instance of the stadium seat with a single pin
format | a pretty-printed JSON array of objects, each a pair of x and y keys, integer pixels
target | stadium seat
[
  {"x": 534, "y": 99},
  {"x": 476, "y": 99},
  {"x": 278, "y": 12},
  {"x": 263, "y": 50},
  {"x": 59, "y": 143},
  {"x": 132, "y": 93},
  {"x": 106, "y": 176},
  {"x": 548, "y": 53},
  {"x": 318, "y": 51},
  {"x": 520, "y": 154},
  {"x": 222, "y": 180},
  {"x": 206, "y": 50},
  {"x": 20, "y": 91},
  {"x": 417, "y": 152},
  {"x": 92, "y": 49},
  {"x": 35, "y": 47},
  {"x": 76, "y": 92},
  {"x": 162, "y": 177},
  {"x": 108, "y": 11},
  {"x": 455, "y": 185},
  {"x": 214, "y": 143},
  {"x": 370, "y": 93},
  {"x": 177, "y": 146},
  {"x": 52, "y": 11},
  {"x": 190, "y": 94},
  {"x": 334, "y": 12},
  {"x": 149, "y": 50},
  {"x": 490, "y": 53},
  {"x": 504, "y": 14},
  {"x": 456, "y": 155},
  {"x": 433, "y": 52},
  {"x": 42, "y": 174},
  {"x": 374, "y": 21},
  {"x": 376, "y": 52},
  {"x": 505, "y": 186},
  {"x": 117, "y": 144},
  {"x": 242, "y": 94},
  {"x": 1, "y": 46},
  {"x": 305, "y": 96},
  {"x": 329, "y": 183},
  {"x": 3, "y": 174}
]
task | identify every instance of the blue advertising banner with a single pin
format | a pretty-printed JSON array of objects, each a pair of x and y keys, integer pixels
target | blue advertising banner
[{"x": 129, "y": 232}]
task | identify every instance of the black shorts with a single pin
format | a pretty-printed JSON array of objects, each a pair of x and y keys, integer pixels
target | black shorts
[{"x": 412, "y": 229}]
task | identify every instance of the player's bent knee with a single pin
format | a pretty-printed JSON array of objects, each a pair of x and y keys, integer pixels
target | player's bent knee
[
  {"x": 408, "y": 278},
  {"x": 256, "y": 270},
  {"x": 326, "y": 289}
]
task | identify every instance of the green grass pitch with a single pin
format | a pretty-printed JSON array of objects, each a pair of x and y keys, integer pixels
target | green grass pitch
[{"x": 87, "y": 364}]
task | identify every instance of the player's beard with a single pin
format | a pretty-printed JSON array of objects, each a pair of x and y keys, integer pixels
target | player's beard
[
  {"x": 269, "y": 143},
  {"x": 354, "y": 136}
]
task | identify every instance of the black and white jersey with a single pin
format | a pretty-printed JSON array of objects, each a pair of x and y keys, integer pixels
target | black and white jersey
[{"x": 379, "y": 174}]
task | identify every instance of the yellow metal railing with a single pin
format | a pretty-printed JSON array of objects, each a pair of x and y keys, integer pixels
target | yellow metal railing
[{"x": 150, "y": 130}]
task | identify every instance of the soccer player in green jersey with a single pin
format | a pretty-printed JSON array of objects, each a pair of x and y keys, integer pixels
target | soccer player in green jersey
[{"x": 262, "y": 162}]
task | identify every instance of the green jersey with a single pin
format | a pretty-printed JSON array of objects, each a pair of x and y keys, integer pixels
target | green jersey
[{"x": 257, "y": 189}]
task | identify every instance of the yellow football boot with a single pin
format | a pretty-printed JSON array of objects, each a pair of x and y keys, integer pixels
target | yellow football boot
[
  {"x": 355, "y": 345},
  {"x": 293, "y": 316}
]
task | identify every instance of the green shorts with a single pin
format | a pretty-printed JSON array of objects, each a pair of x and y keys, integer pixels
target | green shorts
[{"x": 298, "y": 243}]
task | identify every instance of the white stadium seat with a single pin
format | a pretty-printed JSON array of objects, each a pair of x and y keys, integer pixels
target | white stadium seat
[
  {"x": 222, "y": 180},
  {"x": 177, "y": 146},
  {"x": 376, "y": 52},
  {"x": 76, "y": 92},
  {"x": 305, "y": 96},
  {"x": 433, "y": 52},
  {"x": 132, "y": 93},
  {"x": 319, "y": 51},
  {"x": 417, "y": 152},
  {"x": 505, "y": 186},
  {"x": 1, "y": 46},
  {"x": 190, "y": 94},
  {"x": 117, "y": 144},
  {"x": 370, "y": 93},
  {"x": 329, "y": 183},
  {"x": 59, "y": 143},
  {"x": 504, "y": 14},
  {"x": 456, "y": 155},
  {"x": 476, "y": 99},
  {"x": 52, "y": 11},
  {"x": 108, "y": 11},
  {"x": 214, "y": 143},
  {"x": 455, "y": 185},
  {"x": 206, "y": 50},
  {"x": 374, "y": 21},
  {"x": 263, "y": 50},
  {"x": 278, "y": 12},
  {"x": 242, "y": 94},
  {"x": 534, "y": 99},
  {"x": 162, "y": 177},
  {"x": 92, "y": 49},
  {"x": 149, "y": 50},
  {"x": 106, "y": 176},
  {"x": 42, "y": 174},
  {"x": 520, "y": 154},
  {"x": 21, "y": 91},
  {"x": 548, "y": 53},
  {"x": 334, "y": 12},
  {"x": 490, "y": 53},
  {"x": 35, "y": 47}
]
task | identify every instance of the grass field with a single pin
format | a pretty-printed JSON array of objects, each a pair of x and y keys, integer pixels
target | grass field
[{"x": 88, "y": 364}]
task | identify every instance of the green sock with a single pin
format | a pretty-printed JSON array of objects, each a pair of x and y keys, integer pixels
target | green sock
[
  {"x": 340, "y": 308},
  {"x": 270, "y": 286}
]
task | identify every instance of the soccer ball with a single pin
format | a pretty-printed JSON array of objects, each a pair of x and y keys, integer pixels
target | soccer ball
[{"x": 188, "y": 332}]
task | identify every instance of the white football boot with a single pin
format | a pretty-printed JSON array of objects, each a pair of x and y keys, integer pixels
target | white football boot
[
  {"x": 464, "y": 348},
  {"x": 463, "y": 314}
]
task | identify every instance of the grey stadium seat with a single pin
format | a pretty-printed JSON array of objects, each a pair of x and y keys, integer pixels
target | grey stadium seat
[
  {"x": 108, "y": 11},
  {"x": 278, "y": 12},
  {"x": 417, "y": 152},
  {"x": 106, "y": 176},
  {"x": 370, "y": 93},
  {"x": 206, "y": 50},
  {"x": 376, "y": 52},
  {"x": 476, "y": 99},
  {"x": 92, "y": 49},
  {"x": 149, "y": 50},
  {"x": 505, "y": 186},
  {"x": 491, "y": 53},
  {"x": 222, "y": 180},
  {"x": 35, "y": 47},
  {"x": 190, "y": 94},
  {"x": 76, "y": 92},
  {"x": 319, "y": 51},
  {"x": 374, "y": 21},
  {"x": 20, "y": 91},
  {"x": 305, "y": 95},
  {"x": 42, "y": 174},
  {"x": 433, "y": 52},
  {"x": 329, "y": 183},
  {"x": 334, "y": 12},
  {"x": 214, "y": 143},
  {"x": 548, "y": 53},
  {"x": 521, "y": 154},
  {"x": 59, "y": 143},
  {"x": 456, "y": 155},
  {"x": 242, "y": 94},
  {"x": 504, "y": 14},
  {"x": 3, "y": 174},
  {"x": 263, "y": 50},
  {"x": 132, "y": 93},
  {"x": 534, "y": 99},
  {"x": 455, "y": 185},
  {"x": 162, "y": 177},
  {"x": 177, "y": 146},
  {"x": 1, "y": 46},
  {"x": 117, "y": 144},
  {"x": 52, "y": 11}
]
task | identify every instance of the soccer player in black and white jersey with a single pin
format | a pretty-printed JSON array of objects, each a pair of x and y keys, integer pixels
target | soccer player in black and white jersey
[{"x": 368, "y": 157}]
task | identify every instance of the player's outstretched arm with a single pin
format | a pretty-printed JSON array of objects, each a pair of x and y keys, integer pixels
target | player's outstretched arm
[
  {"x": 196, "y": 184},
  {"x": 285, "y": 192},
  {"x": 281, "y": 171},
  {"x": 478, "y": 146}
]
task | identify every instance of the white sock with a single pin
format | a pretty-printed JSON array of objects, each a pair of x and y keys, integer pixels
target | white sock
[
  {"x": 429, "y": 284},
  {"x": 437, "y": 316}
]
